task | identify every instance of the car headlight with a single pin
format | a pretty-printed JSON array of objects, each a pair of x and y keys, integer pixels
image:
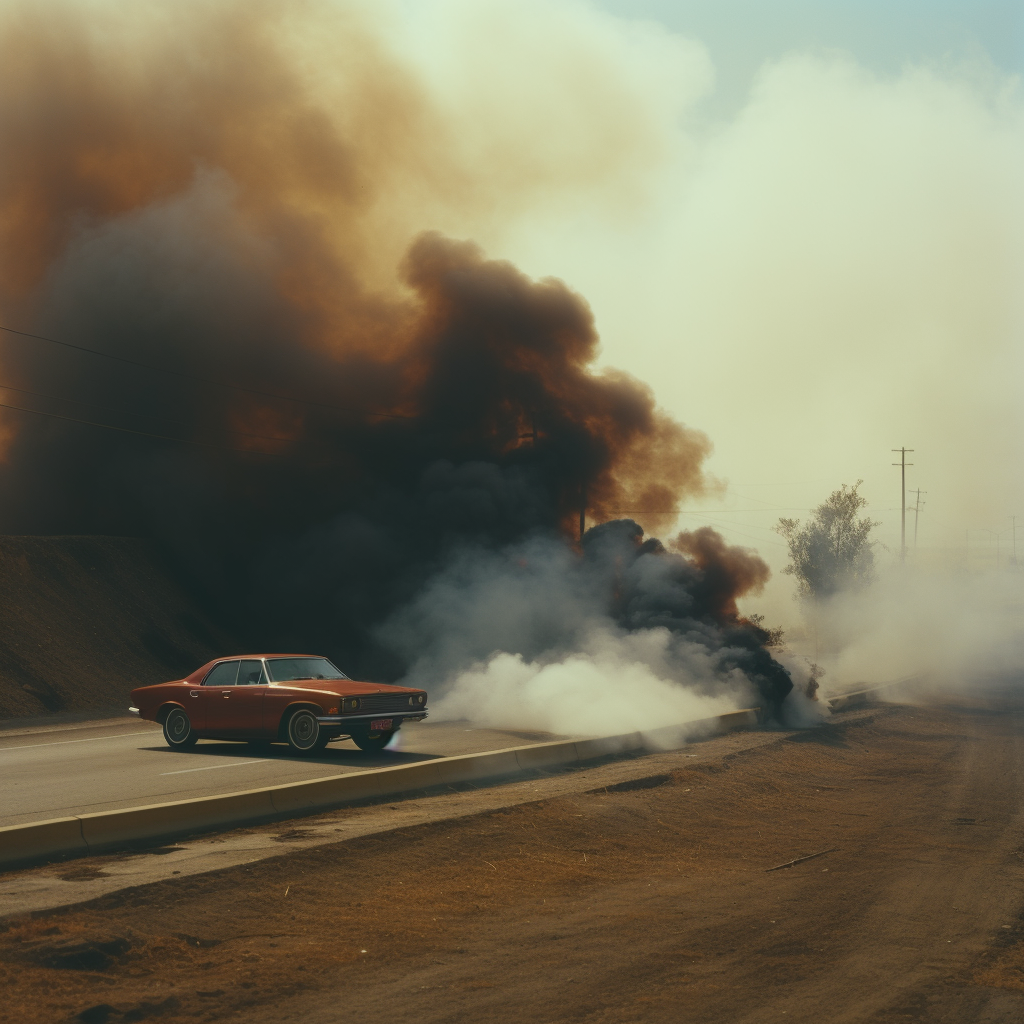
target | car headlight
[
  {"x": 350, "y": 704},
  {"x": 421, "y": 699}
]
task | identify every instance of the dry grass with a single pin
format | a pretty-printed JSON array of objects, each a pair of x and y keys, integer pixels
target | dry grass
[{"x": 222, "y": 944}]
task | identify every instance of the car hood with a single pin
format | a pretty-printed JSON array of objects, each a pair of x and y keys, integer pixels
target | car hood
[{"x": 343, "y": 687}]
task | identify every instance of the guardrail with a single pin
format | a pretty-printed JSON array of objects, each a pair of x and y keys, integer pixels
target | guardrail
[{"x": 104, "y": 831}]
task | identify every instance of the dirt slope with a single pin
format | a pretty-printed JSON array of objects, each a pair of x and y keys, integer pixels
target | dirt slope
[
  {"x": 84, "y": 619},
  {"x": 643, "y": 903}
]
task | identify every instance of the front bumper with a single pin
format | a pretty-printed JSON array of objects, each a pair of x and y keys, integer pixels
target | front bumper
[{"x": 395, "y": 716}]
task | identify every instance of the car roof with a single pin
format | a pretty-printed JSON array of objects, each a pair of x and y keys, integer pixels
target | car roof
[{"x": 236, "y": 657}]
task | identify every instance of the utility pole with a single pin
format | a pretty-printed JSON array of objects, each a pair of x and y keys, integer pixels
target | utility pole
[
  {"x": 918, "y": 505},
  {"x": 532, "y": 434},
  {"x": 903, "y": 499}
]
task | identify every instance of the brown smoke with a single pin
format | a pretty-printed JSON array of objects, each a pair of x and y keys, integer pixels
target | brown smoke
[
  {"x": 103, "y": 118},
  {"x": 94, "y": 135},
  {"x": 728, "y": 572},
  {"x": 184, "y": 189}
]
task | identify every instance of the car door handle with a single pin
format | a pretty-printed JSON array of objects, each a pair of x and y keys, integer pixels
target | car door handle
[
  {"x": 193, "y": 693},
  {"x": 225, "y": 693}
]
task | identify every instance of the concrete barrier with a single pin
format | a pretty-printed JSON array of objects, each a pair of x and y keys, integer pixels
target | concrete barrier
[
  {"x": 546, "y": 755},
  {"x": 106, "y": 830},
  {"x": 851, "y": 700},
  {"x": 100, "y": 831},
  {"x": 877, "y": 691},
  {"x": 470, "y": 767},
  {"x": 37, "y": 840},
  {"x": 295, "y": 798},
  {"x": 605, "y": 746},
  {"x": 745, "y": 719}
]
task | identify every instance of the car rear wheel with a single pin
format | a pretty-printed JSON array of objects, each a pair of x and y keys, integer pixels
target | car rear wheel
[
  {"x": 304, "y": 734},
  {"x": 372, "y": 742},
  {"x": 178, "y": 731}
]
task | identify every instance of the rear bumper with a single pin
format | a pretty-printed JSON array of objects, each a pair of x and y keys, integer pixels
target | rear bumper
[{"x": 395, "y": 716}]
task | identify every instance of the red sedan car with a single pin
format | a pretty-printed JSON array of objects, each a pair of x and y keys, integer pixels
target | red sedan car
[{"x": 300, "y": 699}]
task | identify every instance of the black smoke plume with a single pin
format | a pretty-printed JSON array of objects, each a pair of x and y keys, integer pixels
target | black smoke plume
[{"x": 310, "y": 449}]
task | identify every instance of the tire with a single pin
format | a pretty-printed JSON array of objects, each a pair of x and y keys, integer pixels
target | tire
[
  {"x": 178, "y": 731},
  {"x": 304, "y": 734},
  {"x": 372, "y": 742}
]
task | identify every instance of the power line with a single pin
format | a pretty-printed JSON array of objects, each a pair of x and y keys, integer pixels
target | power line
[
  {"x": 918, "y": 505},
  {"x": 696, "y": 511},
  {"x": 93, "y": 405},
  {"x": 195, "y": 377},
  {"x": 702, "y": 511},
  {"x": 731, "y": 528},
  {"x": 140, "y": 433}
]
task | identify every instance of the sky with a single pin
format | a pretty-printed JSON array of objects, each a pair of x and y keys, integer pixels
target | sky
[
  {"x": 800, "y": 223},
  {"x": 883, "y": 35},
  {"x": 821, "y": 262}
]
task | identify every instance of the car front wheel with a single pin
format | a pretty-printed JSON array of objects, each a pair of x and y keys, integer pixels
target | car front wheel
[
  {"x": 178, "y": 731},
  {"x": 372, "y": 742},
  {"x": 304, "y": 734}
]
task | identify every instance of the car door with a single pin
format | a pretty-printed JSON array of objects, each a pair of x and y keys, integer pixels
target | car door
[
  {"x": 246, "y": 699},
  {"x": 218, "y": 690}
]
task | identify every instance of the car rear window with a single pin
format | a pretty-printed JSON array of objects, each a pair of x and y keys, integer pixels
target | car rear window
[
  {"x": 222, "y": 675},
  {"x": 283, "y": 669}
]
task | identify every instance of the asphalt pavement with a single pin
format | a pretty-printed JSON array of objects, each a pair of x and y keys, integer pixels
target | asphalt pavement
[{"x": 51, "y": 771}]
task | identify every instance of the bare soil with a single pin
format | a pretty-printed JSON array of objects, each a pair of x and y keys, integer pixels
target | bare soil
[
  {"x": 644, "y": 902},
  {"x": 142, "y": 626}
]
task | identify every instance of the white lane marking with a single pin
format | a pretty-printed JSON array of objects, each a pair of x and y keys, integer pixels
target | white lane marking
[
  {"x": 88, "y": 739},
  {"x": 210, "y": 767}
]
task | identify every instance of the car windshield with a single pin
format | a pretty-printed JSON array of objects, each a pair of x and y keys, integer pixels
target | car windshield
[{"x": 283, "y": 669}]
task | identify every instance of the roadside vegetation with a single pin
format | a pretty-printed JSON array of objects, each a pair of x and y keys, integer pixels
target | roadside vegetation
[{"x": 833, "y": 551}]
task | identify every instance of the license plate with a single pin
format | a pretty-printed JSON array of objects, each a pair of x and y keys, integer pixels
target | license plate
[{"x": 380, "y": 725}]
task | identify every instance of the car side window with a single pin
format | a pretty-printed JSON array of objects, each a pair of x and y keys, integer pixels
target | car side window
[
  {"x": 250, "y": 673},
  {"x": 222, "y": 674}
]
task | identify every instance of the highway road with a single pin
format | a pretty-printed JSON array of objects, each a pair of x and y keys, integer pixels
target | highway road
[
  {"x": 645, "y": 890},
  {"x": 51, "y": 772}
]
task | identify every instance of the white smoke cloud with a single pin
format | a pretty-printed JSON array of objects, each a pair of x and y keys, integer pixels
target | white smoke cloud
[
  {"x": 835, "y": 274},
  {"x": 522, "y": 638},
  {"x": 943, "y": 629},
  {"x": 608, "y": 687}
]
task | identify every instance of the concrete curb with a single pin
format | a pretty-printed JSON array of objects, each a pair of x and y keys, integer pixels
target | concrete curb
[
  {"x": 58, "y": 837},
  {"x": 104, "y": 831},
  {"x": 878, "y": 692}
]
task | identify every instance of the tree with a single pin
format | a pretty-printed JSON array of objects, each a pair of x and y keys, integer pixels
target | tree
[
  {"x": 832, "y": 552},
  {"x": 770, "y": 636}
]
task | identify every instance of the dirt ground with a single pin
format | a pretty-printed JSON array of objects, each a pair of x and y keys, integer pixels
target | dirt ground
[
  {"x": 648, "y": 902},
  {"x": 142, "y": 626}
]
